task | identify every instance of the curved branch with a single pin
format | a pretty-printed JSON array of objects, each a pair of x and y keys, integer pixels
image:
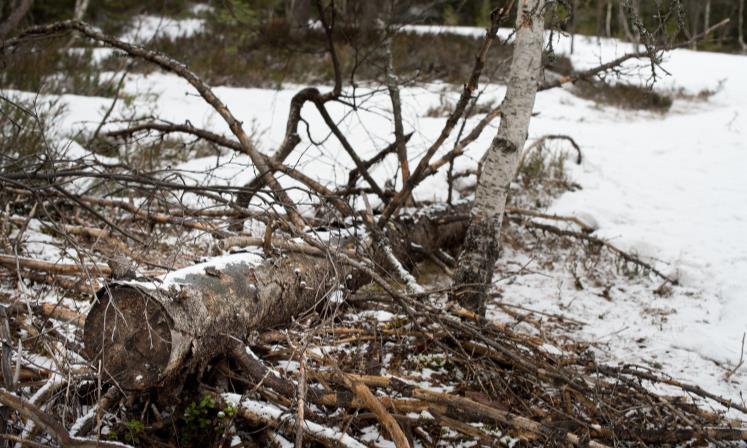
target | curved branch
[{"x": 246, "y": 146}]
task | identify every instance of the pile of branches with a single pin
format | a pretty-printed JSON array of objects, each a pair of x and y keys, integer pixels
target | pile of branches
[
  {"x": 364, "y": 367},
  {"x": 360, "y": 365}
]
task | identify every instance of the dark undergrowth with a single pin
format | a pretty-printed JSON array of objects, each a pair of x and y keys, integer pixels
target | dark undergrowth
[
  {"x": 623, "y": 96},
  {"x": 273, "y": 56}
]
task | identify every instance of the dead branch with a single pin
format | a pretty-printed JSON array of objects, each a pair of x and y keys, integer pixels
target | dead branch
[
  {"x": 44, "y": 421},
  {"x": 524, "y": 212},
  {"x": 372, "y": 403},
  {"x": 13, "y": 262},
  {"x": 537, "y": 144},
  {"x": 598, "y": 241},
  {"x": 169, "y": 64},
  {"x": 278, "y": 418},
  {"x": 617, "y": 62},
  {"x": 453, "y": 119}
]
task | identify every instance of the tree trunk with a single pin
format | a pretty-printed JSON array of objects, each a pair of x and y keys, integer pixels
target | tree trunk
[
  {"x": 151, "y": 334},
  {"x": 480, "y": 250},
  {"x": 146, "y": 334},
  {"x": 297, "y": 14},
  {"x": 574, "y": 9},
  {"x": 608, "y": 21},
  {"x": 368, "y": 14},
  {"x": 17, "y": 14},
  {"x": 707, "y": 15},
  {"x": 600, "y": 21},
  {"x": 740, "y": 26},
  {"x": 81, "y": 6},
  {"x": 623, "y": 19},
  {"x": 694, "y": 22}
]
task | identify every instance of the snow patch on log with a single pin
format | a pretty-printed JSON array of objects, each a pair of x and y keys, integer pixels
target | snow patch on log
[{"x": 217, "y": 263}]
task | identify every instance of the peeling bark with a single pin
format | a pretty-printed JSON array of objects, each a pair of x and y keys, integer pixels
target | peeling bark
[
  {"x": 480, "y": 251},
  {"x": 146, "y": 335},
  {"x": 150, "y": 334}
]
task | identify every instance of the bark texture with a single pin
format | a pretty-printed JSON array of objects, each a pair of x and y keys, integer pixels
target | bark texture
[
  {"x": 151, "y": 334},
  {"x": 480, "y": 250},
  {"x": 145, "y": 335}
]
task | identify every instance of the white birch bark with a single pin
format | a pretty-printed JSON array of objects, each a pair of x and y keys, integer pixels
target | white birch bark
[
  {"x": 81, "y": 6},
  {"x": 480, "y": 251}
]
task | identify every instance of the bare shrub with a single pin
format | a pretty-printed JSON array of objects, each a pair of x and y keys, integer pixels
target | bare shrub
[{"x": 624, "y": 96}]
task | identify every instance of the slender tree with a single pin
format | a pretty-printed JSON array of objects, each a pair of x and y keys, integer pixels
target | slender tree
[
  {"x": 740, "y": 26},
  {"x": 297, "y": 13},
  {"x": 18, "y": 11},
  {"x": 608, "y": 20},
  {"x": 480, "y": 250}
]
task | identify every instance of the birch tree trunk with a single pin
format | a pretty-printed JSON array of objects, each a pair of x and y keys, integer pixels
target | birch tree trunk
[
  {"x": 151, "y": 334},
  {"x": 81, "y": 6},
  {"x": 145, "y": 334},
  {"x": 480, "y": 250}
]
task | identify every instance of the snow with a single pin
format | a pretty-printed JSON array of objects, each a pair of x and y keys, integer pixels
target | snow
[
  {"x": 217, "y": 263},
  {"x": 378, "y": 315},
  {"x": 272, "y": 412},
  {"x": 668, "y": 187}
]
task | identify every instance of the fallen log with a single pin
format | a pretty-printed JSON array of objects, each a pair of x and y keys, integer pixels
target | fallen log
[{"x": 145, "y": 334}]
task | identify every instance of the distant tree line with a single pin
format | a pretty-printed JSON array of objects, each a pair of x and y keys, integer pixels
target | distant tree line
[{"x": 609, "y": 18}]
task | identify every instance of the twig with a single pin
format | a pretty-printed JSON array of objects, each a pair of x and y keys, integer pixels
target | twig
[
  {"x": 739, "y": 364},
  {"x": 592, "y": 239},
  {"x": 375, "y": 406}
]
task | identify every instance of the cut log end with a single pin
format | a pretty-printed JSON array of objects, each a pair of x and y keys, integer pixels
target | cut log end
[{"x": 128, "y": 334}]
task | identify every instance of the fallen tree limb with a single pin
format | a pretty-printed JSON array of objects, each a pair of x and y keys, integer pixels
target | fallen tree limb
[
  {"x": 13, "y": 263},
  {"x": 595, "y": 240},
  {"x": 50, "y": 426},
  {"x": 275, "y": 417},
  {"x": 374, "y": 405},
  {"x": 691, "y": 388}
]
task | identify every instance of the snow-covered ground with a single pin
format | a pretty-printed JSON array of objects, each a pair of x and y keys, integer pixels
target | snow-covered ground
[{"x": 668, "y": 187}]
